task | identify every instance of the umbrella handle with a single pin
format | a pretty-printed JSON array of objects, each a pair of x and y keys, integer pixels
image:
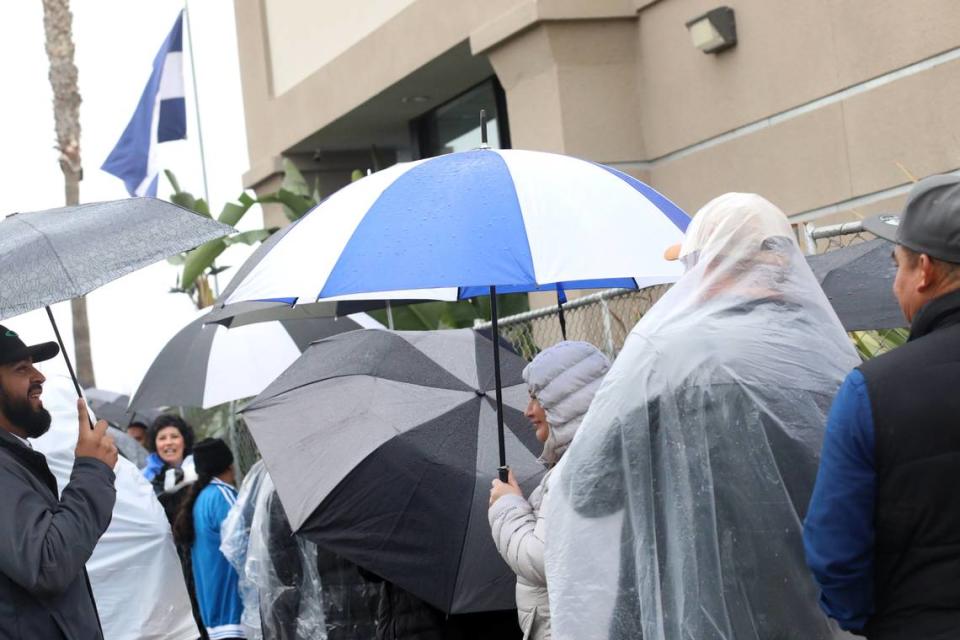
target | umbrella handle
[
  {"x": 561, "y": 298},
  {"x": 496, "y": 372},
  {"x": 504, "y": 473},
  {"x": 63, "y": 350}
]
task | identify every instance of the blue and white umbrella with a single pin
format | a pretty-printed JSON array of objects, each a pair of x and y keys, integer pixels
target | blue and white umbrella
[
  {"x": 448, "y": 228},
  {"x": 473, "y": 223}
]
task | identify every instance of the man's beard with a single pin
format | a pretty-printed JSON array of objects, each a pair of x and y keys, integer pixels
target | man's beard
[{"x": 35, "y": 422}]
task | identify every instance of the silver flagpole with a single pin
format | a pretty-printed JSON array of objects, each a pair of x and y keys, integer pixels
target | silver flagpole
[{"x": 196, "y": 106}]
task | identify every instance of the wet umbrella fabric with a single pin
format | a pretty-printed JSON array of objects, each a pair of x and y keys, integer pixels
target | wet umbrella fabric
[
  {"x": 449, "y": 227},
  {"x": 243, "y": 313},
  {"x": 128, "y": 447},
  {"x": 474, "y": 223},
  {"x": 54, "y": 255},
  {"x": 58, "y": 254},
  {"x": 858, "y": 281},
  {"x": 382, "y": 446},
  {"x": 114, "y": 407},
  {"x": 204, "y": 365}
]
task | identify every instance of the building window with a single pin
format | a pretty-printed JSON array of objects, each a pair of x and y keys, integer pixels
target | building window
[{"x": 455, "y": 125}]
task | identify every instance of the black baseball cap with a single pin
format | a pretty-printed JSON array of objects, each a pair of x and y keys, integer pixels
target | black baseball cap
[
  {"x": 930, "y": 221},
  {"x": 12, "y": 348}
]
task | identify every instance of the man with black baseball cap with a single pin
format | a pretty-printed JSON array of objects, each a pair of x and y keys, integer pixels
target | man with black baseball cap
[
  {"x": 882, "y": 534},
  {"x": 46, "y": 539}
]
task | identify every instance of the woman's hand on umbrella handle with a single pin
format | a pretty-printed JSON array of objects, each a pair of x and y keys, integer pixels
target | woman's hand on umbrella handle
[{"x": 499, "y": 489}]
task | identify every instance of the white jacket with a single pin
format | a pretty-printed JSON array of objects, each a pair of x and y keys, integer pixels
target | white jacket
[
  {"x": 518, "y": 530},
  {"x": 564, "y": 379}
]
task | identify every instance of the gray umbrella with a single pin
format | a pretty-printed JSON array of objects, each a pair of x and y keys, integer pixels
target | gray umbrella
[
  {"x": 206, "y": 364},
  {"x": 114, "y": 407},
  {"x": 382, "y": 446},
  {"x": 128, "y": 447},
  {"x": 58, "y": 254},
  {"x": 54, "y": 255},
  {"x": 858, "y": 281}
]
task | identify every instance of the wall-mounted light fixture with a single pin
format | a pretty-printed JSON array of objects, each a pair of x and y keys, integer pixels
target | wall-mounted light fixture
[{"x": 714, "y": 31}]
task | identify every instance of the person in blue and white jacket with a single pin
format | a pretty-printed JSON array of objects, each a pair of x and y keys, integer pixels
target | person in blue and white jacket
[{"x": 197, "y": 527}]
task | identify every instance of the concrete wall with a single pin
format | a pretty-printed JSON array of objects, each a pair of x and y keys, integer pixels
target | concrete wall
[
  {"x": 305, "y": 36},
  {"x": 809, "y": 108},
  {"x": 290, "y": 90},
  {"x": 822, "y": 106}
]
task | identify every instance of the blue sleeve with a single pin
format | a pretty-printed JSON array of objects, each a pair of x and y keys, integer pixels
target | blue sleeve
[
  {"x": 220, "y": 511},
  {"x": 154, "y": 465},
  {"x": 217, "y": 507},
  {"x": 838, "y": 533}
]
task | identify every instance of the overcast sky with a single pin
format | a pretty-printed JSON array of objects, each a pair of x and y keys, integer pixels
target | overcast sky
[{"x": 116, "y": 41}]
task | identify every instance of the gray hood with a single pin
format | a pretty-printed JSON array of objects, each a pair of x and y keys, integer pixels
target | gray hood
[{"x": 564, "y": 379}]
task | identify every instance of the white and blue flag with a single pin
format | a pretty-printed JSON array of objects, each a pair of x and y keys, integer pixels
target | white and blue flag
[{"x": 160, "y": 116}]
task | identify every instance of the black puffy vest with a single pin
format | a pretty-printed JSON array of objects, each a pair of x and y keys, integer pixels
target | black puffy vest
[{"x": 915, "y": 399}]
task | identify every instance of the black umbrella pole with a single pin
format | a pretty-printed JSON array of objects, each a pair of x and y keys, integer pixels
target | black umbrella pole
[
  {"x": 502, "y": 470},
  {"x": 562, "y": 318},
  {"x": 63, "y": 350}
]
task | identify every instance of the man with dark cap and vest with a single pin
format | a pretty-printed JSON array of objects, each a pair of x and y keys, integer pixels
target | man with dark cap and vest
[
  {"x": 882, "y": 534},
  {"x": 46, "y": 538},
  {"x": 197, "y": 527}
]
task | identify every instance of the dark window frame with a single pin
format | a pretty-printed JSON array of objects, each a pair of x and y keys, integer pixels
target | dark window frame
[{"x": 419, "y": 126}]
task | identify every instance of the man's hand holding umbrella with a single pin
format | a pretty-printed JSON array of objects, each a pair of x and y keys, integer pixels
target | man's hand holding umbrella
[{"x": 94, "y": 443}]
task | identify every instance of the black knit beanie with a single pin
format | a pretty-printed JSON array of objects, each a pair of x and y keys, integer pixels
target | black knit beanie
[{"x": 212, "y": 456}]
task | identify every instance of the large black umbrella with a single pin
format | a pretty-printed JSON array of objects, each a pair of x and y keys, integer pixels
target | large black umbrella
[
  {"x": 382, "y": 448},
  {"x": 206, "y": 364},
  {"x": 54, "y": 255},
  {"x": 858, "y": 281}
]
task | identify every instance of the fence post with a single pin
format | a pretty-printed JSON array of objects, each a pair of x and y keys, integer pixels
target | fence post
[
  {"x": 811, "y": 241},
  {"x": 232, "y": 441},
  {"x": 607, "y": 328}
]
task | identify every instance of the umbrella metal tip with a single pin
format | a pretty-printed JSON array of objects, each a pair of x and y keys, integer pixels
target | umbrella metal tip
[{"x": 479, "y": 392}]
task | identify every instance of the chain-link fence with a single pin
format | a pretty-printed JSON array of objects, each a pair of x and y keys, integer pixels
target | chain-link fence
[
  {"x": 605, "y": 318},
  {"x": 242, "y": 444},
  {"x": 831, "y": 238}
]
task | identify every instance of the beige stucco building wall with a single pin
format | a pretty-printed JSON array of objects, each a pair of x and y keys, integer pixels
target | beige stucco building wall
[{"x": 826, "y": 107}]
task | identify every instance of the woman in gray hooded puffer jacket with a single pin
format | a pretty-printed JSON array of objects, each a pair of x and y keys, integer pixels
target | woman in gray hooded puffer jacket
[{"x": 562, "y": 381}]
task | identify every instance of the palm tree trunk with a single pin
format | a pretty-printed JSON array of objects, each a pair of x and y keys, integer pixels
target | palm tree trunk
[{"x": 58, "y": 26}]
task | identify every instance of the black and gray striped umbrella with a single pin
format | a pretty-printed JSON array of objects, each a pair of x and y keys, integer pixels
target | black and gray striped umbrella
[
  {"x": 206, "y": 364},
  {"x": 382, "y": 446}
]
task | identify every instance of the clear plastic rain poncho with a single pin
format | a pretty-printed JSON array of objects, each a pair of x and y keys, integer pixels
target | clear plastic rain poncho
[
  {"x": 279, "y": 580},
  {"x": 677, "y": 512}
]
